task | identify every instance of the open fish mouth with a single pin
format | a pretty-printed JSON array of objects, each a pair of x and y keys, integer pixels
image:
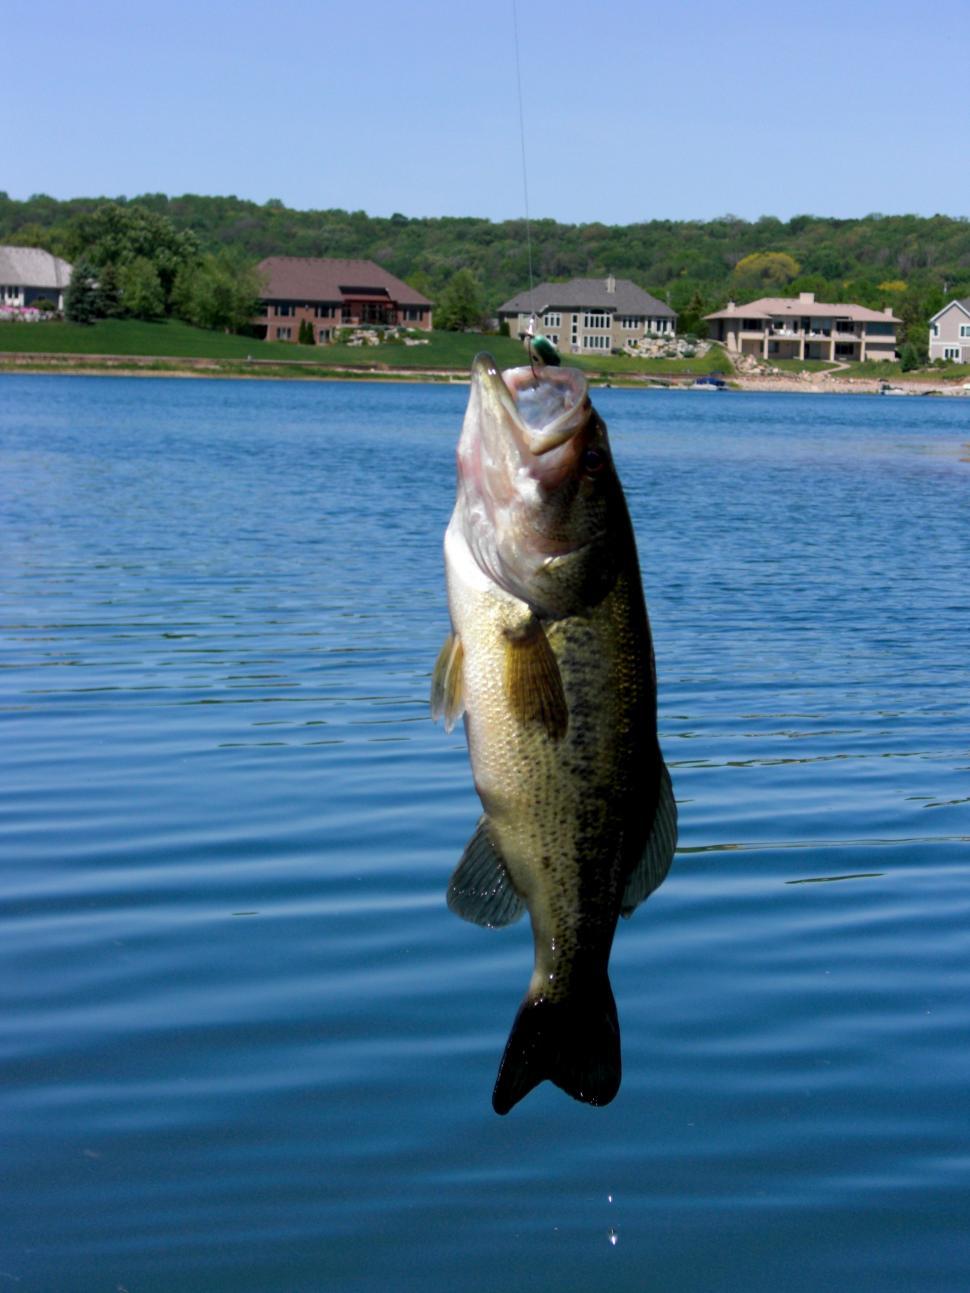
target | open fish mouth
[{"x": 540, "y": 409}]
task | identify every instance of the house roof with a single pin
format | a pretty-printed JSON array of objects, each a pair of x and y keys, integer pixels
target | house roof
[
  {"x": 33, "y": 267},
  {"x": 312, "y": 278},
  {"x": 588, "y": 293},
  {"x": 797, "y": 307},
  {"x": 964, "y": 305}
]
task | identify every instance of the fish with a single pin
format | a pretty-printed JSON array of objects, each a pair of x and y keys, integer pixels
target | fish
[{"x": 549, "y": 660}]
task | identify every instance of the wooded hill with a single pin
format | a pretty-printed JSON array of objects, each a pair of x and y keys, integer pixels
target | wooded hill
[{"x": 909, "y": 262}]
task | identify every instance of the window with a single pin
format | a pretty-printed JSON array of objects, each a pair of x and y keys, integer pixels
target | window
[
  {"x": 284, "y": 334},
  {"x": 965, "y": 329},
  {"x": 551, "y": 320},
  {"x": 554, "y": 338},
  {"x": 880, "y": 329},
  {"x": 951, "y": 352},
  {"x": 629, "y": 321},
  {"x": 596, "y": 320},
  {"x": 935, "y": 329},
  {"x": 596, "y": 343},
  {"x": 284, "y": 310},
  {"x": 323, "y": 334}
]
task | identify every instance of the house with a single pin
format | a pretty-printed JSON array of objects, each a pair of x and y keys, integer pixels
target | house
[
  {"x": 29, "y": 274},
  {"x": 803, "y": 328},
  {"x": 950, "y": 332},
  {"x": 589, "y": 314},
  {"x": 333, "y": 294}
]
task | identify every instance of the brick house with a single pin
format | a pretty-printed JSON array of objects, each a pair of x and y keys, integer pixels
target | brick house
[
  {"x": 781, "y": 327},
  {"x": 950, "y": 332},
  {"x": 333, "y": 294},
  {"x": 590, "y": 314}
]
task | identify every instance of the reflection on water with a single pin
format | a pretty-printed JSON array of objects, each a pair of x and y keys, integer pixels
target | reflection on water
[{"x": 242, "y": 1042}]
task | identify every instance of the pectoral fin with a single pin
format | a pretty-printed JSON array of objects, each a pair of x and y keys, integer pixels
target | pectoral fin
[
  {"x": 653, "y": 866},
  {"x": 533, "y": 683},
  {"x": 481, "y": 888},
  {"x": 447, "y": 690}
]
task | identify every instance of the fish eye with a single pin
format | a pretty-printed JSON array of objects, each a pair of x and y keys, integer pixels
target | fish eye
[{"x": 594, "y": 460}]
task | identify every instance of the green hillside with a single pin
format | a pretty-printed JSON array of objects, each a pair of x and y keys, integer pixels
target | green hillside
[{"x": 909, "y": 262}]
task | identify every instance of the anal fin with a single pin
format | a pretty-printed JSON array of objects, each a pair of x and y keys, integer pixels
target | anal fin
[{"x": 481, "y": 888}]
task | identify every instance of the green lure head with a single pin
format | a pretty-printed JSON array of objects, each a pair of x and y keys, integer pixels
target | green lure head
[{"x": 542, "y": 349}]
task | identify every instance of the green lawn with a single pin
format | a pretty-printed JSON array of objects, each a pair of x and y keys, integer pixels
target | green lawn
[
  {"x": 180, "y": 340},
  {"x": 130, "y": 337},
  {"x": 171, "y": 338}
]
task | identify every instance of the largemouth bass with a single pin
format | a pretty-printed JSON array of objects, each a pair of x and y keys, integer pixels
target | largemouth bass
[{"x": 551, "y": 662}]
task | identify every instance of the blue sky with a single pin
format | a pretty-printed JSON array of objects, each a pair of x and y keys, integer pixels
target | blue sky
[{"x": 633, "y": 111}]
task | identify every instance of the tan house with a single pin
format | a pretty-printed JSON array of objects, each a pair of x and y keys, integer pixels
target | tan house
[
  {"x": 950, "y": 332},
  {"x": 333, "y": 294},
  {"x": 803, "y": 328},
  {"x": 587, "y": 315}
]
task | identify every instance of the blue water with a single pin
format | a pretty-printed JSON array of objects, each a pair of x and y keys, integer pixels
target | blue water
[{"x": 244, "y": 1045}]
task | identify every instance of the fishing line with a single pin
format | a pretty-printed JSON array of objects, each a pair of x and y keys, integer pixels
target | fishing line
[
  {"x": 525, "y": 169},
  {"x": 538, "y": 347}
]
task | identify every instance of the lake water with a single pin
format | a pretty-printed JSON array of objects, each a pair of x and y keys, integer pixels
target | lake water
[{"x": 244, "y": 1045}]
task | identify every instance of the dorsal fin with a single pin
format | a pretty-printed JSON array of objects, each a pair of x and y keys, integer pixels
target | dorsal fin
[{"x": 651, "y": 871}]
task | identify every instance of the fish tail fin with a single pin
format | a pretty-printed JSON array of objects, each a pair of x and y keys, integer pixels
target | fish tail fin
[{"x": 574, "y": 1042}]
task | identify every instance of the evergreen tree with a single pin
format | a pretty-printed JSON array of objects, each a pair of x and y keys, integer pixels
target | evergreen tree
[
  {"x": 909, "y": 357},
  {"x": 691, "y": 319},
  {"x": 305, "y": 337},
  {"x": 108, "y": 299},
  {"x": 81, "y": 301}
]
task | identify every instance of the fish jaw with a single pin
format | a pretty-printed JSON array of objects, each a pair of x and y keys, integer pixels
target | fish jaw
[{"x": 520, "y": 477}]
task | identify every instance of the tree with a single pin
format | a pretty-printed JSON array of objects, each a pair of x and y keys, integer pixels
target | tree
[
  {"x": 421, "y": 282},
  {"x": 762, "y": 274},
  {"x": 115, "y": 234},
  {"x": 220, "y": 291},
  {"x": 909, "y": 357},
  {"x": 141, "y": 289},
  {"x": 305, "y": 335},
  {"x": 460, "y": 304},
  {"x": 691, "y": 317},
  {"x": 108, "y": 298},
  {"x": 80, "y": 303}
]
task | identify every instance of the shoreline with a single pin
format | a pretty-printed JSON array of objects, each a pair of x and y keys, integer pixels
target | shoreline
[{"x": 175, "y": 366}]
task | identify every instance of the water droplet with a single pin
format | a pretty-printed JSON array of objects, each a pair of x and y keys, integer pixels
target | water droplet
[
  {"x": 612, "y": 1236},
  {"x": 609, "y": 1198}
]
